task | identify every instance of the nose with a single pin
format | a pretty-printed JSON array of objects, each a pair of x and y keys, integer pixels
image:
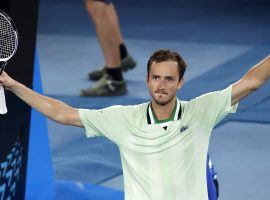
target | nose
[{"x": 162, "y": 84}]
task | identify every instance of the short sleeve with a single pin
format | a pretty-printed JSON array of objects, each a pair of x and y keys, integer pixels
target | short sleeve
[
  {"x": 212, "y": 107},
  {"x": 111, "y": 122}
]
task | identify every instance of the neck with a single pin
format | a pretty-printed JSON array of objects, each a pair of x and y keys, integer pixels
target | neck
[{"x": 163, "y": 111}]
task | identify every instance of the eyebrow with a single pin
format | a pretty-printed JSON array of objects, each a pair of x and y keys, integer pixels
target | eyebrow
[{"x": 166, "y": 77}]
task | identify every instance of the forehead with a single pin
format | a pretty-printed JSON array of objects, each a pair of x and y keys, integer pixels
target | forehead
[{"x": 164, "y": 68}]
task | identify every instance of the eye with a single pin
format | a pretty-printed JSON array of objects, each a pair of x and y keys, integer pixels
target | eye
[
  {"x": 155, "y": 78},
  {"x": 169, "y": 80}
]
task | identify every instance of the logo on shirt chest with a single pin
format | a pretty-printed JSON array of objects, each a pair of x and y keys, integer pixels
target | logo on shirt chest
[{"x": 183, "y": 128}]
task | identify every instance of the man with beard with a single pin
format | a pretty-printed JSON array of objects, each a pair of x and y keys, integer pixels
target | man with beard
[{"x": 163, "y": 143}]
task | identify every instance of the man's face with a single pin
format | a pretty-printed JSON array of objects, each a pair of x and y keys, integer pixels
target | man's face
[{"x": 163, "y": 81}]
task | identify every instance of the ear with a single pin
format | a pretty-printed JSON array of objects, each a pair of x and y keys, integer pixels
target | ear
[
  {"x": 147, "y": 79},
  {"x": 180, "y": 84}
]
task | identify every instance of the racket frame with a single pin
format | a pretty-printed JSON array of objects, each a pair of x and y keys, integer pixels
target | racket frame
[
  {"x": 12, "y": 24},
  {"x": 3, "y": 61}
]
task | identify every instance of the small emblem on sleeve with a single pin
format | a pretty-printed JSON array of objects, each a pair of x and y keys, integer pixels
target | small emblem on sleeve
[{"x": 183, "y": 128}]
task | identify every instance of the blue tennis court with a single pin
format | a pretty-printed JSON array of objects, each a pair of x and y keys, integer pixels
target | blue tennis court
[{"x": 219, "y": 41}]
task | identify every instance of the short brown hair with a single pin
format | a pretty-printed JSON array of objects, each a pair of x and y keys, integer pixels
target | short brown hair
[{"x": 162, "y": 55}]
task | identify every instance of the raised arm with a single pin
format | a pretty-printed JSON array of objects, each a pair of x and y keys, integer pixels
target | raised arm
[
  {"x": 251, "y": 81},
  {"x": 51, "y": 108}
]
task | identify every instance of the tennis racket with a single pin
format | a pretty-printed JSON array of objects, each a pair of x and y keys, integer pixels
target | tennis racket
[{"x": 8, "y": 47}]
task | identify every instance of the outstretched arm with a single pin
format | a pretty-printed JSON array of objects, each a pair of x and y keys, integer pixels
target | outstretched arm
[
  {"x": 51, "y": 108},
  {"x": 251, "y": 81}
]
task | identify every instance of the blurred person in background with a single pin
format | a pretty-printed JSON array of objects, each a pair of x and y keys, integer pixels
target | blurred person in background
[{"x": 110, "y": 81}]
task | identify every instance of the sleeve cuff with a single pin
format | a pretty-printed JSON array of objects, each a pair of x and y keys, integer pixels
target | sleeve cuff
[
  {"x": 231, "y": 109},
  {"x": 89, "y": 132}
]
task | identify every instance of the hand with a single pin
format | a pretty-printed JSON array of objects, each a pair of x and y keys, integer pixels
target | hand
[{"x": 6, "y": 81}]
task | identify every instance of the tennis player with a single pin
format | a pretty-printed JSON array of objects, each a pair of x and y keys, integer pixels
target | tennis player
[{"x": 163, "y": 143}]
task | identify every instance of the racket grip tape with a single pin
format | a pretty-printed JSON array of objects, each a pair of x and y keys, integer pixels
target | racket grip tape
[{"x": 3, "y": 107}]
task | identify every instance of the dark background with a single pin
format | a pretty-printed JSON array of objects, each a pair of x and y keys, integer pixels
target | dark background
[{"x": 14, "y": 126}]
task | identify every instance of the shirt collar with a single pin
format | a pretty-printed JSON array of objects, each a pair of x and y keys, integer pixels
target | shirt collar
[{"x": 177, "y": 114}]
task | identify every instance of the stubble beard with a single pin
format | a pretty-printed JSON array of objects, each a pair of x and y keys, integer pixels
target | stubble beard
[{"x": 162, "y": 103}]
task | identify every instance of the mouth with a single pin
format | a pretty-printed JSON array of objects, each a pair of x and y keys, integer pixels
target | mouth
[{"x": 161, "y": 93}]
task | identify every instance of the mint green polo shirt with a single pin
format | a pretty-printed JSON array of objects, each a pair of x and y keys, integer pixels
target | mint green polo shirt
[{"x": 162, "y": 164}]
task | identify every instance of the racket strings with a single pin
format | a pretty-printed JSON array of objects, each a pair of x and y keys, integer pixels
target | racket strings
[{"x": 7, "y": 38}]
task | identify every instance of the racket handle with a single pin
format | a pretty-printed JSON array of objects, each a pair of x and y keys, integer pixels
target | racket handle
[{"x": 3, "y": 107}]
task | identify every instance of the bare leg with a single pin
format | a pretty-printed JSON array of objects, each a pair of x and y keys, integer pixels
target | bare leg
[
  {"x": 115, "y": 21},
  {"x": 107, "y": 28},
  {"x": 110, "y": 79}
]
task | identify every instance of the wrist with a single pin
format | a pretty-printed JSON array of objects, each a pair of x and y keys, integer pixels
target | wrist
[{"x": 13, "y": 86}]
